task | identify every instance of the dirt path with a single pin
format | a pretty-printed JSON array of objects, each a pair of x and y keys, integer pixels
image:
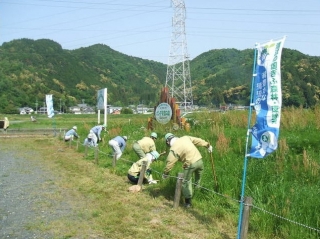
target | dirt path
[{"x": 28, "y": 194}]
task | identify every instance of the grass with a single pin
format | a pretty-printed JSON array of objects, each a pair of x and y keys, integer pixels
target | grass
[{"x": 284, "y": 184}]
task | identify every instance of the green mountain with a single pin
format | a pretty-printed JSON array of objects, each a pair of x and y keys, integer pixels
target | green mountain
[{"x": 31, "y": 69}]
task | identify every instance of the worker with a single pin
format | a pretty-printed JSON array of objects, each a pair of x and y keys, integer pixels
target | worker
[
  {"x": 145, "y": 145},
  {"x": 97, "y": 131},
  {"x": 91, "y": 140},
  {"x": 134, "y": 171},
  {"x": 118, "y": 145},
  {"x": 184, "y": 149},
  {"x": 72, "y": 133}
]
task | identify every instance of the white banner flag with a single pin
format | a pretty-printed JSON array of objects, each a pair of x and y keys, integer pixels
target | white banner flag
[
  {"x": 50, "y": 110},
  {"x": 267, "y": 99}
]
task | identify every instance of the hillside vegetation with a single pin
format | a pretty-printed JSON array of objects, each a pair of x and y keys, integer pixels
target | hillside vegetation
[{"x": 30, "y": 69}]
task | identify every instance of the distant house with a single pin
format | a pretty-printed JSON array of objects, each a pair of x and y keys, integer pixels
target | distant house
[
  {"x": 87, "y": 110},
  {"x": 42, "y": 110},
  {"x": 82, "y": 109},
  {"x": 75, "y": 110},
  {"x": 25, "y": 110},
  {"x": 116, "y": 112},
  {"x": 112, "y": 109}
]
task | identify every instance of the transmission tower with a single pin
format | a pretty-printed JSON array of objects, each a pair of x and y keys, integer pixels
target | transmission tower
[{"x": 178, "y": 80}]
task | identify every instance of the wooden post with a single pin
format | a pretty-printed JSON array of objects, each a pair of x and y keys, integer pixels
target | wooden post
[
  {"x": 114, "y": 160},
  {"x": 142, "y": 173},
  {"x": 86, "y": 150},
  {"x": 77, "y": 144},
  {"x": 245, "y": 217},
  {"x": 177, "y": 193},
  {"x": 96, "y": 155}
]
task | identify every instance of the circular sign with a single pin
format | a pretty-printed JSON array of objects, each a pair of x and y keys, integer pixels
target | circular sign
[{"x": 163, "y": 113}]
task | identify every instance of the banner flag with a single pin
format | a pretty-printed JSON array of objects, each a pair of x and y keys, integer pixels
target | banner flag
[
  {"x": 49, "y": 102},
  {"x": 267, "y": 99}
]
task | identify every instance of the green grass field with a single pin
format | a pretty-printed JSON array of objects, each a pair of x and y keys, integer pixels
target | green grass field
[{"x": 284, "y": 186}]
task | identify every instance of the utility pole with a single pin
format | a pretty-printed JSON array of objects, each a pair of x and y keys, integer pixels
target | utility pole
[{"x": 178, "y": 79}]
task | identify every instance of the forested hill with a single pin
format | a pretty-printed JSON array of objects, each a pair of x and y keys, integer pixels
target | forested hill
[{"x": 31, "y": 69}]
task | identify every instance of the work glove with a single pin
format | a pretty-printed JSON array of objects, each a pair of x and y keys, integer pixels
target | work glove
[
  {"x": 152, "y": 182},
  {"x": 99, "y": 139},
  {"x": 210, "y": 149},
  {"x": 164, "y": 176}
]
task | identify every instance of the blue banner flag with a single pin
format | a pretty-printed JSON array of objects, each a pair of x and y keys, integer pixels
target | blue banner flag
[{"x": 267, "y": 99}]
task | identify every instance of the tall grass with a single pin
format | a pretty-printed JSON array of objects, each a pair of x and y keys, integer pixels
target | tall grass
[{"x": 284, "y": 185}]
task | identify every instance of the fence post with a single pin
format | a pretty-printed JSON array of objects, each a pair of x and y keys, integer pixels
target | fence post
[
  {"x": 114, "y": 160},
  {"x": 96, "y": 155},
  {"x": 86, "y": 150},
  {"x": 245, "y": 217},
  {"x": 177, "y": 193},
  {"x": 142, "y": 173},
  {"x": 77, "y": 144}
]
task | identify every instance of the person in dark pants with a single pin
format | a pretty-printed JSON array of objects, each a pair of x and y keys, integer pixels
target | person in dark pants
[{"x": 134, "y": 171}]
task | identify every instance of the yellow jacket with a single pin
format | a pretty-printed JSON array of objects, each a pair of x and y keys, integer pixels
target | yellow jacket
[
  {"x": 184, "y": 150},
  {"x": 137, "y": 166},
  {"x": 147, "y": 144}
]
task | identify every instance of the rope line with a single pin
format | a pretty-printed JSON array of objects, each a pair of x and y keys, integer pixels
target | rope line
[{"x": 217, "y": 193}]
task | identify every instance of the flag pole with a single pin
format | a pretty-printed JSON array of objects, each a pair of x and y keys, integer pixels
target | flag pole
[{"x": 246, "y": 151}]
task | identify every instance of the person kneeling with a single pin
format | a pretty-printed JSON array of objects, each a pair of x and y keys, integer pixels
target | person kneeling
[{"x": 134, "y": 171}]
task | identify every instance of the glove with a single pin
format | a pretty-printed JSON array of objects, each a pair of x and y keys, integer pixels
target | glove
[
  {"x": 210, "y": 149},
  {"x": 99, "y": 139},
  {"x": 152, "y": 182},
  {"x": 164, "y": 176}
]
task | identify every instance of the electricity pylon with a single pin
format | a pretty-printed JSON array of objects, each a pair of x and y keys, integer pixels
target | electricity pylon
[{"x": 178, "y": 80}]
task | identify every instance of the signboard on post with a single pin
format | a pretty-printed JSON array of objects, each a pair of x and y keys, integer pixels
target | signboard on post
[
  {"x": 163, "y": 113},
  {"x": 102, "y": 104}
]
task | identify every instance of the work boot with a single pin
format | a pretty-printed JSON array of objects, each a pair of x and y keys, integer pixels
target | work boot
[{"x": 187, "y": 203}]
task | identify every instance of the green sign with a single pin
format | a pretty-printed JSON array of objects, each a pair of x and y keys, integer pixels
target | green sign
[{"x": 163, "y": 113}]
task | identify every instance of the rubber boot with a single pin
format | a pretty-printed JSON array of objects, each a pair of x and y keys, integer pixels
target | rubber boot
[{"x": 188, "y": 202}]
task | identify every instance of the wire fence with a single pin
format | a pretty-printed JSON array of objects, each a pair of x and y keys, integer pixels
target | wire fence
[
  {"x": 223, "y": 195},
  {"x": 77, "y": 143}
]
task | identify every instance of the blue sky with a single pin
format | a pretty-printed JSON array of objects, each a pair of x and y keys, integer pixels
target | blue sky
[{"x": 143, "y": 28}]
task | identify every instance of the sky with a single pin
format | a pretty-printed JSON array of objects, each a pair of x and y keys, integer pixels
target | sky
[{"x": 143, "y": 28}]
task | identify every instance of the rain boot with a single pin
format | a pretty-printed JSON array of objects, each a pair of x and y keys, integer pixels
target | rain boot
[{"x": 188, "y": 202}]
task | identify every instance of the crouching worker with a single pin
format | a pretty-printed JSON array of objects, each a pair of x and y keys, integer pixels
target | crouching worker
[
  {"x": 184, "y": 149},
  {"x": 91, "y": 140},
  {"x": 134, "y": 171},
  {"x": 72, "y": 133},
  {"x": 118, "y": 145}
]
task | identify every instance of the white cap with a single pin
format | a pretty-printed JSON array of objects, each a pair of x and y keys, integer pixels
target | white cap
[{"x": 75, "y": 127}]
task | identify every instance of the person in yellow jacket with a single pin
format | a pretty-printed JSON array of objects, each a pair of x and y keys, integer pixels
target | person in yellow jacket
[
  {"x": 134, "y": 171},
  {"x": 145, "y": 145},
  {"x": 184, "y": 149}
]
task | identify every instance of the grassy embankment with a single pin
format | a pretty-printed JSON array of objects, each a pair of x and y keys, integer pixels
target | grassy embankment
[{"x": 285, "y": 183}]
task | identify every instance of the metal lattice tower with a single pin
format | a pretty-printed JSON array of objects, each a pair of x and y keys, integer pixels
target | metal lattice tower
[{"x": 178, "y": 79}]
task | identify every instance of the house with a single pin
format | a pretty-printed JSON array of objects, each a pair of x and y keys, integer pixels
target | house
[
  {"x": 26, "y": 110},
  {"x": 42, "y": 110},
  {"x": 75, "y": 110}
]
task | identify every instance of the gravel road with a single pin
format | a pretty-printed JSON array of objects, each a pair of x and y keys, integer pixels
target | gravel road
[{"x": 27, "y": 194}]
